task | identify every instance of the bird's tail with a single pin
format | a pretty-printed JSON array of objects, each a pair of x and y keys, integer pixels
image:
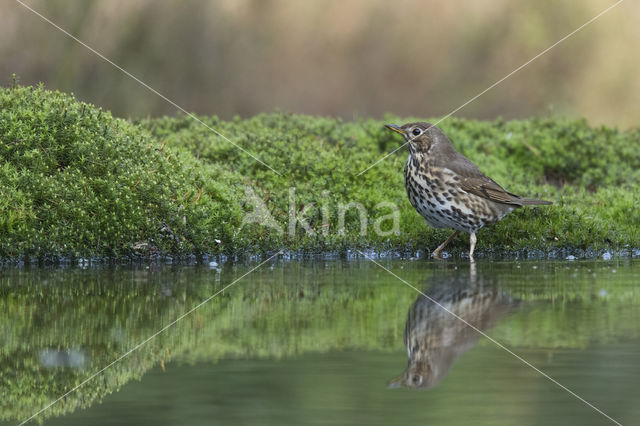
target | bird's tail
[{"x": 533, "y": 202}]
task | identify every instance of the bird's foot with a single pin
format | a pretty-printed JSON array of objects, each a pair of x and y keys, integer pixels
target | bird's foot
[
  {"x": 440, "y": 255},
  {"x": 472, "y": 239},
  {"x": 438, "y": 250}
]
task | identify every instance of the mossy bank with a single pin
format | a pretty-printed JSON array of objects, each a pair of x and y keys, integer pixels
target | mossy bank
[{"x": 77, "y": 182}]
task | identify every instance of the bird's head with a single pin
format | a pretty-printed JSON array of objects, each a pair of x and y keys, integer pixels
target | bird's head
[{"x": 422, "y": 137}]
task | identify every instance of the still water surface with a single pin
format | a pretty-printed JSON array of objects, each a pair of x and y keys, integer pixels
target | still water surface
[{"x": 323, "y": 343}]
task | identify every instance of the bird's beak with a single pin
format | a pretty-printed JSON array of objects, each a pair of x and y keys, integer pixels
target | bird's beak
[
  {"x": 396, "y": 382},
  {"x": 395, "y": 128}
]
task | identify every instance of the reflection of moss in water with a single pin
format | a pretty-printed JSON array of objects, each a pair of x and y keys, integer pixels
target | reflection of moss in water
[
  {"x": 106, "y": 313},
  {"x": 281, "y": 312},
  {"x": 587, "y": 307},
  {"x": 102, "y": 314},
  {"x": 589, "y": 321}
]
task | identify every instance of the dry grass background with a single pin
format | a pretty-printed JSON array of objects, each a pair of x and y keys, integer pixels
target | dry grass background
[{"x": 341, "y": 58}]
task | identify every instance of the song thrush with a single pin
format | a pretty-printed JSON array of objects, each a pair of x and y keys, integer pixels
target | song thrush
[{"x": 447, "y": 189}]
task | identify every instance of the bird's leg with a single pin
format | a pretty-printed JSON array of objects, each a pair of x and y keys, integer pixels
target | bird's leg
[
  {"x": 472, "y": 239},
  {"x": 436, "y": 252}
]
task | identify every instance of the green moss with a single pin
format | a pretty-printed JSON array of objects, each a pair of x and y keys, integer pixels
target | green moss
[{"x": 78, "y": 182}]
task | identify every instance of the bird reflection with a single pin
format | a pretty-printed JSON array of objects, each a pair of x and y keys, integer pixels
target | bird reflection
[{"x": 435, "y": 338}]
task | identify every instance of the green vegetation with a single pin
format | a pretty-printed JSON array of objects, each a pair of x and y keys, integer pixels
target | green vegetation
[{"x": 77, "y": 182}]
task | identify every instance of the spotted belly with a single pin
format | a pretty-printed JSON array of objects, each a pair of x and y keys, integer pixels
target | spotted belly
[{"x": 443, "y": 206}]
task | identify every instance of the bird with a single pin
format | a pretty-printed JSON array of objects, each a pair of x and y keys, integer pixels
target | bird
[{"x": 448, "y": 190}]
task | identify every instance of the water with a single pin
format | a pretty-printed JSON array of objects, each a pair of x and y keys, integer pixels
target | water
[{"x": 322, "y": 343}]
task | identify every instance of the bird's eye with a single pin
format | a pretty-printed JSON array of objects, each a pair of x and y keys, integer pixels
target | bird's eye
[{"x": 416, "y": 132}]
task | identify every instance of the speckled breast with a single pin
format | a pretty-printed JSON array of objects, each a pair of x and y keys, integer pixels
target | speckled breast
[{"x": 433, "y": 192}]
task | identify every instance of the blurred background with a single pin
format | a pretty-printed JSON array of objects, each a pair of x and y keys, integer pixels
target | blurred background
[{"x": 345, "y": 58}]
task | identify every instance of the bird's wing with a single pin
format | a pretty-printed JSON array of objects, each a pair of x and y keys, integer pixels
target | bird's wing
[
  {"x": 475, "y": 182},
  {"x": 487, "y": 188}
]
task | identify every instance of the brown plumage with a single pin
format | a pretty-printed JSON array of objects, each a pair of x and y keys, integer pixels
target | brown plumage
[{"x": 447, "y": 189}]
